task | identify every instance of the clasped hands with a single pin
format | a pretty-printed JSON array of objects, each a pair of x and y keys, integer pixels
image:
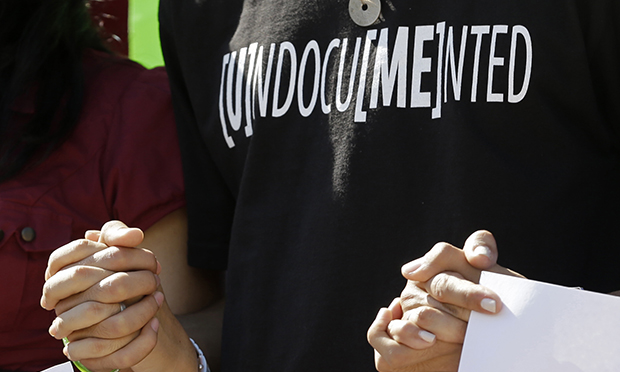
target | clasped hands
[
  {"x": 424, "y": 329},
  {"x": 86, "y": 280}
]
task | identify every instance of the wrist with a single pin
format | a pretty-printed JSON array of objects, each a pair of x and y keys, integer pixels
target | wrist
[
  {"x": 174, "y": 351},
  {"x": 170, "y": 354}
]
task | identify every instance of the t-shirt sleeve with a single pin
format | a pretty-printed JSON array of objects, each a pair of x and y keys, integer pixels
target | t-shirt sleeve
[
  {"x": 210, "y": 204},
  {"x": 142, "y": 177}
]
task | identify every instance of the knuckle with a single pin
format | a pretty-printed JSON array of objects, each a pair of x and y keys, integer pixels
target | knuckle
[
  {"x": 111, "y": 225},
  {"x": 79, "y": 272},
  {"x": 373, "y": 334},
  {"x": 426, "y": 316},
  {"x": 441, "y": 254},
  {"x": 409, "y": 292},
  {"x": 370, "y": 335},
  {"x": 110, "y": 329},
  {"x": 83, "y": 242},
  {"x": 439, "y": 249},
  {"x": 79, "y": 244},
  {"x": 403, "y": 331},
  {"x": 96, "y": 309},
  {"x": 119, "y": 257},
  {"x": 439, "y": 287},
  {"x": 111, "y": 258},
  {"x": 472, "y": 296},
  {"x": 412, "y": 296},
  {"x": 70, "y": 352},
  {"x": 100, "y": 347},
  {"x": 120, "y": 326},
  {"x": 51, "y": 261},
  {"x": 45, "y": 293},
  {"x": 114, "y": 287},
  {"x": 409, "y": 328},
  {"x": 143, "y": 282},
  {"x": 149, "y": 282},
  {"x": 60, "y": 323},
  {"x": 136, "y": 323}
]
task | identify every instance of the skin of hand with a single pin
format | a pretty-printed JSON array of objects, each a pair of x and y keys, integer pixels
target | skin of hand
[
  {"x": 424, "y": 329},
  {"x": 86, "y": 279}
]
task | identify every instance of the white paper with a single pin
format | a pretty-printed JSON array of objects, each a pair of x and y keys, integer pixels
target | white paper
[
  {"x": 65, "y": 367},
  {"x": 543, "y": 328}
]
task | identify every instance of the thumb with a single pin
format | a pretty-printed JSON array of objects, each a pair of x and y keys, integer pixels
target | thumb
[
  {"x": 481, "y": 250},
  {"x": 118, "y": 234}
]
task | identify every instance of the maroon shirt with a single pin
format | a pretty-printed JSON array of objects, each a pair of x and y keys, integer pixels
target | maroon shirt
[{"x": 122, "y": 162}]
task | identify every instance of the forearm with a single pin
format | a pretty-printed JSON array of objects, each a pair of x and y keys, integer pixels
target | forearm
[
  {"x": 174, "y": 351},
  {"x": 162, "y": 344},
  {"x": 192, "y": 296}
]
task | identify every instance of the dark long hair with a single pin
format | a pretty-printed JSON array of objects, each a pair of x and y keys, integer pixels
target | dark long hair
[{"x": 41, "y": 48}]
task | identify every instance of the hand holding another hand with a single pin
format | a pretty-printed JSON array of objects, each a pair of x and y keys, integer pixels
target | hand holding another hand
[
  {"x": 424, "y": 330},
  {"x": 87, "y": 280}
]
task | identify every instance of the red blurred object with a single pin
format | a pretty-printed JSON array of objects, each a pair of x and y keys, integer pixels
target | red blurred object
[{"x": 110, "y": 16}]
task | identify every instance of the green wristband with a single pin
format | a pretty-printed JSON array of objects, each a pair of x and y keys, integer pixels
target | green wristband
[{"x": 77, "y": 363}]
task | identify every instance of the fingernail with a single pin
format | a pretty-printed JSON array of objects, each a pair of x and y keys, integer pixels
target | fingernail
[
  {"x": 129, "y": 229},
  {"x": 157, "y": 280},
  {"x": 483, "y": 250},
  {"x": 65, "y": 351},
  {"x": 426, "y": 336},
  {"x": 411, "y": 267},
  {"x": 158, "y": 268},
  {"x": 120, "y": 231},
  {"x": 155, "y": 324},
  {"x": 159, "y": 298},
  {"x": 93, "y": 233},
  {"x": 394, "y": 326},
  {"x": 489, "y": 305}
]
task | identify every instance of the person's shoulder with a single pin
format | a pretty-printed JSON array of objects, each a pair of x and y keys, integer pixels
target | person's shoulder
[
  {"x": 155, "y": 78},
  {"x": 105, "y": 69},
  {"x": 98, "y": 63},
  {"x": 115, "y": 78}
]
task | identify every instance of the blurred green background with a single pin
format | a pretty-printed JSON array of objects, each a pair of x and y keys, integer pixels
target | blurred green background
[{"x": 143, "y": 32}]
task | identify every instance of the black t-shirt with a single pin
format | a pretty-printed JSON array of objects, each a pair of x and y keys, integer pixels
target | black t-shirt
[{"x": 320, "y": 155}]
